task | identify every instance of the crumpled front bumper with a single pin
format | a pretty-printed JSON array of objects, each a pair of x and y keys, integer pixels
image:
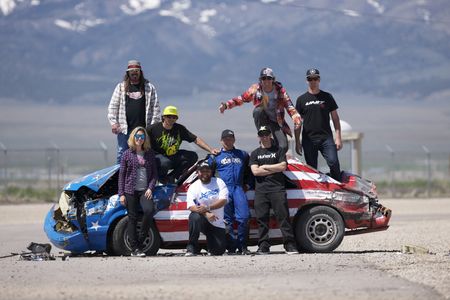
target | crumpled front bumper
[
  {"x": 70, "y": 241},
  {"x": 378, "y": 222}
]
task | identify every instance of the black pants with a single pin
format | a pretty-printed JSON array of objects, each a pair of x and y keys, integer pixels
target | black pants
[
  {"x": 133, "y": 202},
  {"x": 215, "y": 236},
  {"x": 179, "y": 162},
  {"x": 261, "y": 119},
  {"x": 278, "y": 202}
]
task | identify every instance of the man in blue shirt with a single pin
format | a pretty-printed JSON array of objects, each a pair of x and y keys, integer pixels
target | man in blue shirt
[{"x": 232, "y": 166}]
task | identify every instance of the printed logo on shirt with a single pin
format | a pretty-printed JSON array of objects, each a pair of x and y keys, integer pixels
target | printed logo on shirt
[
  {"x": 266, "y": 156},
  {"x": 316, "y": 102},
  {"x": 170, "y": 144},
  {"x": 134, "y": 95},
  {"x": 229, "y": 160},
  {"x": 208, "y": 194}
]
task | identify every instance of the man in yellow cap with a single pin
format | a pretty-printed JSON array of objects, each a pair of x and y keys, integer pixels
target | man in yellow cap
[{"x": 166, "y": 138}]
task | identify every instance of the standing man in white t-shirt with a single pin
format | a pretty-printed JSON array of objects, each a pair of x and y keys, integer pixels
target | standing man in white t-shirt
[{"x": 206, "y": 199}]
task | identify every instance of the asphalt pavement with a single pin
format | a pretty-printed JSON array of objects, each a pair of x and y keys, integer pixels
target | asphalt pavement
[{"x": 369, "y": 266}]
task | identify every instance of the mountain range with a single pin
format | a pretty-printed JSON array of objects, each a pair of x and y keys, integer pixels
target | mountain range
[{"x": 66, "y": 51}]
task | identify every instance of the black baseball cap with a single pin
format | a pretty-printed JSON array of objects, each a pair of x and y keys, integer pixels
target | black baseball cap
[
  {"x": 266, "y": 72},
  {"x": 204, "y": 164},
  {"x": 264, "y": 129},
  {"x": 312, "y": 73},
  {"x": 227, "y": 133}
]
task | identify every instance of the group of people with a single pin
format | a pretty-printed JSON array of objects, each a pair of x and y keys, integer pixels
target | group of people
[{"x": 149, "y": 151}]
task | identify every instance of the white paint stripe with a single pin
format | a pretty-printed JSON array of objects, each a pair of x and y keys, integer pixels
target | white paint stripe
[
  {"x": 184, "y": 235},
  {"x": 292, "y": 212},
  {"x": 172, "y": 215},
  {"x": 309, "y": 194},
  {"x": 178, "y": 236},
  {"x": 300, "y": 175},
  {"x": 291, "y": 194}
]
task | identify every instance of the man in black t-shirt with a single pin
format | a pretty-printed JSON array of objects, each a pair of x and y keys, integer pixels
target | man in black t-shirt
[
  {"x": 315, "y": 106},
  {"x": 166, "y": 138},
  {"x": 268, "y": 163}
]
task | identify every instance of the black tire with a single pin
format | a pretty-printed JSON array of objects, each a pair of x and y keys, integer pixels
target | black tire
[
  {"x": 319, "y": 229},
  {"x": 121, "y": 244}
]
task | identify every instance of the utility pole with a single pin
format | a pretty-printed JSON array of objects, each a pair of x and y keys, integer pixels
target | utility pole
[
  {"x": 428, "y": 162},
  {"x": 5, "y": 170},
  {"x": 105, "y": 152},
  {"x": 392, "y": 170}
]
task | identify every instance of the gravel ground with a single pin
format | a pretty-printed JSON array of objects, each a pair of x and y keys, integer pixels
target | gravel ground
[{"x": 364, "y": 266}]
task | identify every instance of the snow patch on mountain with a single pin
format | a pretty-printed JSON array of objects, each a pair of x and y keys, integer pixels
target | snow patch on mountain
[
  {"x": 379, "y": 8},
  {"x": 351, "y": 13},
  {"x": 424, "y": 13},
  {"x": 79, "y": 26},
  {"x": 206, "y": 14},
  {"x": 135, "y": 7},
  {"x": 7, "y": 6},
  {"x": 177, "y": 11}
]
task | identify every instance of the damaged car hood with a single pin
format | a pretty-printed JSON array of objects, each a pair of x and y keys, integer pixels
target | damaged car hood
[{"x": 94, "y": 181}]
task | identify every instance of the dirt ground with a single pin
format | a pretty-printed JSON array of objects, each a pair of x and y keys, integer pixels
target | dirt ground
[{"x": 368, "y": 266}]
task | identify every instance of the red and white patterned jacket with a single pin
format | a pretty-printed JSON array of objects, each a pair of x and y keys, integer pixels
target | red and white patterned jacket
[{"x": 255, "y": 94}]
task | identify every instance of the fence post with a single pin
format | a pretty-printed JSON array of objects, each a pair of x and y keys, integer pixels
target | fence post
[
  {"x": 428, "y": 154},
  {"x": 49, "y": 167},
  {"x": 105, "y": 152},
  {"x": 392, "y": 170},
  {"x": 56, "y": 149},
  {"x": 5, "y": 170}
]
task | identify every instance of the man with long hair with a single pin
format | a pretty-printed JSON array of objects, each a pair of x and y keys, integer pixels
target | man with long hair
[{"x": 134, "y": 103}]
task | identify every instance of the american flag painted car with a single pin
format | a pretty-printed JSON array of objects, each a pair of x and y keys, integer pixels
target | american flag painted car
[{"x": 89, "y": 216}]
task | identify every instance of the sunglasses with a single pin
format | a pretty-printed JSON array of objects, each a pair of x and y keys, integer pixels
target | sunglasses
[
  {"x": 139, "y": 136},
  {"x": 266, "y": 78},
  {"x": 313, "y": 78},
  {"x": 171, "y": 117},
  {"x": 264, "y": 133}
]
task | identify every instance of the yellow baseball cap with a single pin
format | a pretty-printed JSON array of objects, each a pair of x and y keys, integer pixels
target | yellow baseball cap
[{"x": 170, "y": 111}]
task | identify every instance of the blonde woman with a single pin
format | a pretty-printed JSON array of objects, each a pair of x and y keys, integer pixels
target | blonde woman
[{"x": 137, "y": 179}]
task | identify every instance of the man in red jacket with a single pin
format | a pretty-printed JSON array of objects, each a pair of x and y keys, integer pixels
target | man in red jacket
[{"x": 270, "y": 100}]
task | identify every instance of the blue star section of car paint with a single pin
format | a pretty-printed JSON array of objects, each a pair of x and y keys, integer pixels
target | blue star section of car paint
[
  {"x": 94, "y": 181},
  {"x": 95, "y": 225}
]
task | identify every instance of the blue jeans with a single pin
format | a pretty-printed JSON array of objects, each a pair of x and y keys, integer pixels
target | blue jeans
[
  {"x": 122, "y": 145},
  {"x": 236, "y": 209},
  {"x": 328, "y": 149}
]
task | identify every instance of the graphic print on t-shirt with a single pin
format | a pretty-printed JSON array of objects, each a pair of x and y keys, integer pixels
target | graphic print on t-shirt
[
  {"x": 134, "y": 95},
  {"x": 169, "y": 143}
]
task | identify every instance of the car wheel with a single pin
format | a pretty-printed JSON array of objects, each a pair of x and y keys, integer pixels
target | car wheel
[
  {"x": 121, "y": 242},
  {"x": 319, "y": 229}
]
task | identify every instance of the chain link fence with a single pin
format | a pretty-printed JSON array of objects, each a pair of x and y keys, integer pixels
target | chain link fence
[
  {"x": 40, "y": 173},
  {"x": 36, "y": 173}
]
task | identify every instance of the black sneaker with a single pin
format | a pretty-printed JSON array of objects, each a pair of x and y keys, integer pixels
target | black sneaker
[
  {"x": 138, "y": 253},
  {"x": 189, "y": 251},
  {"x": 290, "y": 249},
  {"x": 263, "y": 250},
  {"x": 244, "y": 251}
]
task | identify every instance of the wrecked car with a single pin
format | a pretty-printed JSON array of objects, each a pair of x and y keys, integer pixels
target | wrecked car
[{"x": 89, "y": 216}]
